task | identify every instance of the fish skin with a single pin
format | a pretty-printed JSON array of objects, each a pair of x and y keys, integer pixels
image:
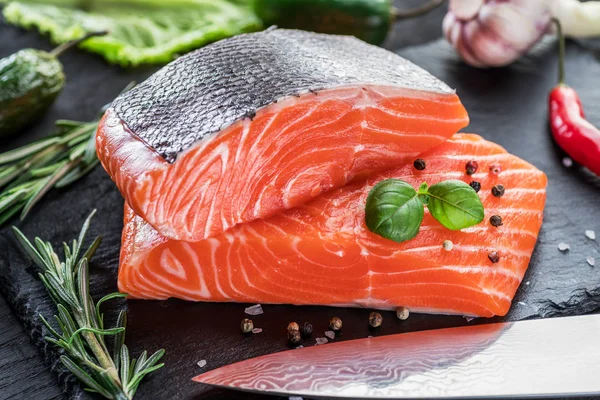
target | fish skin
[
  {"x": 321, "y": 253},
  {"x": 290, "y": 152},
  {"x": 259, "y": 123},
  {"x": 205, "y": 91}
]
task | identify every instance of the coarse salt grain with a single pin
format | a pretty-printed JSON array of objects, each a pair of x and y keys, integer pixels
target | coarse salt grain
[
  {"x": 321, "y": 340},
  {"x": 256, "y": 330},
  {"x": 591, "y": 261},
  {"x": 567, "y": 162},
  {"x": 201, "y": 363},
  {"x": 522, "y": 303},
  {"x": 469, "y": 319},
  {"x": 527, "y": 283},
  {"x": 295, "y": 398},
  {"x": 590, "y": 234},
  {"x": 330, "y": 334},
  {"x": 562, "y": 246},
  {"x": 254, "y": 310}
]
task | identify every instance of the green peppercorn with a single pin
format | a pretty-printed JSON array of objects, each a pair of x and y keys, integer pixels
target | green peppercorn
[
  {"x": 419, "y": 164},
  {"x": 496, "y": 220},
  {"x": 307, "y": 330},
  {"x": 498, "y": 190},
  {"x": 247, "y": 325},
  {"x": 375, "y": 320},
  {"x": 476, "y": 186},
  {"x": 448, "y": 245},
  {"x": 335, "y": 324}
]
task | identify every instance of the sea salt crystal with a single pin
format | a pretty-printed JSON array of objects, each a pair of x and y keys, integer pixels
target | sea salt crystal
[
  {"x": 330, "y": 334},
  {"x": 295, "y": 398},
  {"x": 256, "y": 330},
  {"x": 321, "y": 340},
  {"x": 299, "y": 347},
  {"x": 567, "y": 162},
  {"x": 522, "y": 303},
  {"x": 201, "y": 363},
  {"x": 254, "y": 310},
  {"x": 562, "y": 246},
  {"x": 590, "y": 234},
  {"x": 469, "y": 319},
  {"x": 527, "y": 283},
  {"x": 591, "y": 261}
]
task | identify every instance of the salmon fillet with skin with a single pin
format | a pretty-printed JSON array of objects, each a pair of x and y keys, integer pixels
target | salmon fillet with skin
[
  {"x": 323, "y": 254},
  {"x": 260, "y": 123}
]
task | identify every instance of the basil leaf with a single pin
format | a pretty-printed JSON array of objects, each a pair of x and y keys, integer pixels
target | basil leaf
[
  {"x": 455, "y": 204},
  {"x": 140, "y": 31},
  {"x": 394, "y": 210}
]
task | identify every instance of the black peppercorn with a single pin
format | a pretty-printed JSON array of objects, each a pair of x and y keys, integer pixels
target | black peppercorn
[
  {"x": 471, "y": 167},
  {"x": 498, "y": 190},
  {"x": 493, "y": 256},
  {"x": 293, "y": 337},
  {"x": 476, "y": 186},
  {"x": 307, "y": 330},
  {"x": 419, "y": 164},
  {"x": 246, "y": 325},
  {"x": 375, "y": 320},
  {"x": 335, "y": 324},
  {"x": 496, "y": 220}
]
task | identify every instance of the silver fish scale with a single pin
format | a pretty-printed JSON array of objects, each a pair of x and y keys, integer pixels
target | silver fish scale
[{"x": 209, "y": 89}]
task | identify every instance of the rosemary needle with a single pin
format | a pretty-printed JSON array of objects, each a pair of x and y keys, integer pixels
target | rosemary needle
[
  {"x": 81, "y": 329},
  {"x": 29, "y": 172}
]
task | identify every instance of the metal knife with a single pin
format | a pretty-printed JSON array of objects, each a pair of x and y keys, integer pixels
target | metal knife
[{"x": 539, "y": 358}]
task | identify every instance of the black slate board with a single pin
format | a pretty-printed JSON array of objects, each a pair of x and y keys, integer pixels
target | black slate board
[{"x": 506, "y": 105}]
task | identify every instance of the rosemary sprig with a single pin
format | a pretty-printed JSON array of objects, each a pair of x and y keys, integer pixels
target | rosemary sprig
[
  {"x": 81, "y": 330},
  {"x": 29, "y": 172}
]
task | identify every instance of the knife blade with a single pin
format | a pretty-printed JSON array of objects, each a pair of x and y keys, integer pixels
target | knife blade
[{"x": 539, "y": 358}]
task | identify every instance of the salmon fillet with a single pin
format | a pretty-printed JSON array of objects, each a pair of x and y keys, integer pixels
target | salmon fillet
[
  {"x": 323, "y": 254},
  {"x": 260, "y": 123}
]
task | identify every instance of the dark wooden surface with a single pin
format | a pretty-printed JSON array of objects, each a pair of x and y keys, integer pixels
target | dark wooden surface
[{"x": 516, "y": 121}]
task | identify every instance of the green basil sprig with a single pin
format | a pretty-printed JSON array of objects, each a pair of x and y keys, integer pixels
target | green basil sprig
[{"x": 394, "y": 208}]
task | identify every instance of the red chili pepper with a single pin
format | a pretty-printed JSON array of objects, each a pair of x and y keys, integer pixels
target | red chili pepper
[{"x": 573, "y": 133}]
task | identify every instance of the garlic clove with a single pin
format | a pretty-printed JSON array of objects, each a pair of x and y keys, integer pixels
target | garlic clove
[
  {"x": 519, "y": 28},
  {"x": 489, "y": 49},
  {"x": 465, "y": 10}
]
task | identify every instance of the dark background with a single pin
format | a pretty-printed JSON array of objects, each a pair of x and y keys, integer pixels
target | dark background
[{"x": 506, "y": 105}]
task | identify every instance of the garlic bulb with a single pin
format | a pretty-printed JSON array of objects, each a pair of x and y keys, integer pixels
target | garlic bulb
[{"x": 493, "y": 33}]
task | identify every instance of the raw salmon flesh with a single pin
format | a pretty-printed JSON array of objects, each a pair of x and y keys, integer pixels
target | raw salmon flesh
[
  {"x": 321, "y": 253},
  {"x": 260, "y": 123}
]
